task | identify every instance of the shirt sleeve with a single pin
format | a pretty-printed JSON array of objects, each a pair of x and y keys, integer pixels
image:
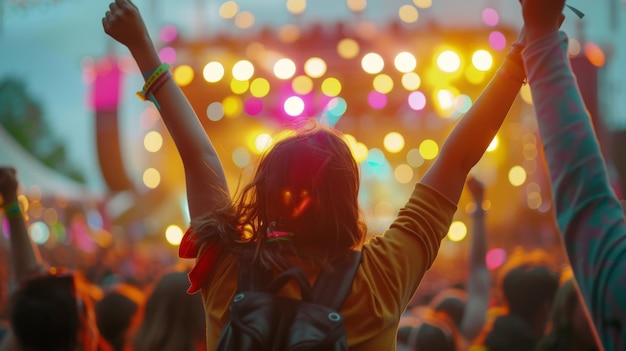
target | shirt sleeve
[
  {"x": 588, "y": 212},
  {"x": 396, "y": 261}
]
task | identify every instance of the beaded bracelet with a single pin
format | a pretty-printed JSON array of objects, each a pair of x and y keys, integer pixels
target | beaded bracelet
[{"x": 13, "y": 209}]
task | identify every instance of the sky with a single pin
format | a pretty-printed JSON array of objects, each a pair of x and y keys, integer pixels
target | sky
[{"x": 45, "y": 46}]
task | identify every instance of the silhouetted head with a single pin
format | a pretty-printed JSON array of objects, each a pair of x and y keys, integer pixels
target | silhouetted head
[
  {"x": 451, "y": 302},
  {"x": 530, "y": 289},
  {"x": 569, "y": 323},
  {"x": 426, "y": 332},
  {"x": 173, "y": 319},
  {"x": 117, "y": 313},
  {"x": 49, "y": 313}
]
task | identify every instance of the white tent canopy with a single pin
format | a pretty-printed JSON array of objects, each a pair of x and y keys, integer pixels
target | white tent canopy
[{"x": 31, "y": 173}]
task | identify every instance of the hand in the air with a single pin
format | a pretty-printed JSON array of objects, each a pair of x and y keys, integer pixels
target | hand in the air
[
  {"x": 8, "y": 184},
  {"x": 124, "y": 23}
]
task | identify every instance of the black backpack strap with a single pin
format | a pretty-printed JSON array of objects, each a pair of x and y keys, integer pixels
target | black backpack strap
[
  {"x": 332, "y": 288},
  {"x": 252, "y": 278}
]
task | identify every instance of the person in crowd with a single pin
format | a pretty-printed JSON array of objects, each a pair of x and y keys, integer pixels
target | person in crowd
[
  {"x": 428, "y": 329},
  {"x": 48, "y": 310},
  {"x": 301, "y": 207},
  {"x": 118, "y": 315},
  {"x": 528, "y": 290},
  {"x": 173, "y": 320},
  {"x": 467, "y": 308},
  {"x": 569, "y": 327},
  {"x": 588, "y": 212}
]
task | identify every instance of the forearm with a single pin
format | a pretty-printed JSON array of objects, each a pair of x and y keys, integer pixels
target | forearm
[
  {"x": 25, "y": 255},
  {"x": 206, "y": 181},
  {"x": 472, "y": 135},
  {"x": 577, "y": 170},
  {"x": 588, "y": 212}
]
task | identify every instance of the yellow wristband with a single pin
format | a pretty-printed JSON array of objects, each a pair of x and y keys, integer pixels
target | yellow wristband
[{"x": 162, "y": 69}]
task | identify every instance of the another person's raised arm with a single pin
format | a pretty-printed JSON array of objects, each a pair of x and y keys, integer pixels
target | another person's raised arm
[
  {"x": 588, "y": 212},
  {"x": 478, "y": 282},
  {"x": 206, "y": 182},
  {"x": 25, "y": 257}
]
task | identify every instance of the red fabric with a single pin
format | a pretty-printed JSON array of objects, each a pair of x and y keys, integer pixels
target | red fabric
[{"x": 201, "y": 271}]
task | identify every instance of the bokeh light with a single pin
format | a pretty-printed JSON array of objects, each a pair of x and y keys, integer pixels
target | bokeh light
[
  {"x": 244, "y": 19},
  {"x": 490, "y": 17},
  {"x": 393, "y": 142},
  {"x": 151, "y": 178},
  {"x": 259, "y": 87},
  {"x": 331, "y": 86},
  {"x": 228, "y": 9},
  {"x": 284, "y": 68},
  {"x": 429, "y": 149},
  {"x": 495, "y": 258},
  {"x": 348, "y": 48},
  {"x": 417, "y": 100},
  {"x": 405, "y": 62},
  {"x": 243, "y": 70},
  {"x": 302, "y": 85},
  {"x": 448, "y": 61},
  {"x": 411, "y": 81},
  {"x": 517, "y": 176},
  {"x": 262, "y": 142},
  {"x": 383, "y": 83},
  {"x": 497, "y": 40},
  {"x": 403, "y": 174},
  {"x": 408, "y": 14},
  {"x": 253, "y": 106},
  {"x": 241, "y": 157},
  {"x": 372, "y": 63},
  {"x": 315, "y": 67},
  {"x": 215, "y": 111},
  {"x": 457, "y": 231},
  {"x": 213, "y": 72},
  {"x": 294, "y": 106},
  {"x": 296, "y": 7},
  {"x": 174, "y": 235},
  {"x": 183, "y": 75},
  {"x": 482, "y": 60},
  {"x": 377, "y": 100},
  {"x": 153, "y": 141},
  {"x": 356, "y": 5},
  {"x": 168, "y": 33}
]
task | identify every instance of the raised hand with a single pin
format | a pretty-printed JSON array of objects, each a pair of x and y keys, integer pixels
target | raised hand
[
  {"x": 8, "y": 184},
  {"x": 477, "y": 189},
  {"x": 124, "y": 23},
  {"x": 541, "y": 17}
]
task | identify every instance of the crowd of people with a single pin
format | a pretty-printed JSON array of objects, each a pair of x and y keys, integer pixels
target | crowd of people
[{"x": 298, "y": 222}]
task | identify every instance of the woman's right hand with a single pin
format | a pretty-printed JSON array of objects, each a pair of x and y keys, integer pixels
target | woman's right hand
[
  {"x": 124, "y": 23},
  {"x": 541, "y": 17},
  {"x": 8, "y": 184}
]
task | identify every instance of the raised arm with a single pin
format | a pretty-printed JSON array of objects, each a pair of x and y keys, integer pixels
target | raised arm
[
  {"x": 478, "y": 282},
  {"x": 24, "y": 254},
  {"x": 588, "y": 212},
  {"x": 472, "y": 135},
  {"x": 204, "y": 175}
]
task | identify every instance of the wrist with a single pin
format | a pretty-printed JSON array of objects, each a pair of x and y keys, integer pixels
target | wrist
[
  {"x": 145, "y": 56},
  {"x": 534, "y": 34},
  {"x": 12, "y": 209}
]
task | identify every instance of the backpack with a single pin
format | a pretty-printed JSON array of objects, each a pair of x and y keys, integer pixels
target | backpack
[{"x": 260, "y": 320}]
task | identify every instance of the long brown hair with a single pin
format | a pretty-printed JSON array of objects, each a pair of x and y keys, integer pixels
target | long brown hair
[{"x": 306, "y": 184}]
